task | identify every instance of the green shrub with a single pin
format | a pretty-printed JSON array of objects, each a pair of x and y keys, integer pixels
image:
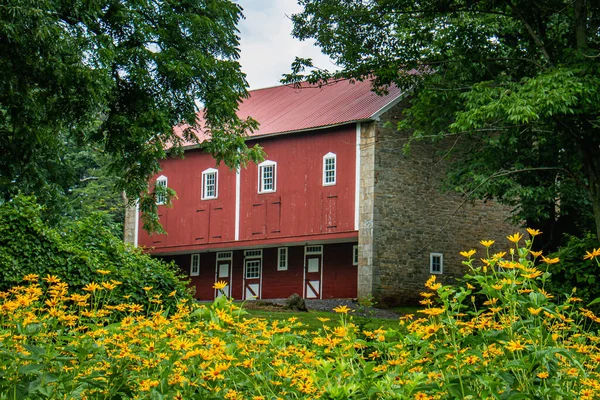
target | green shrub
[
  {"x": 573, "y": 271},
  {"x": 76, "y": 252}
]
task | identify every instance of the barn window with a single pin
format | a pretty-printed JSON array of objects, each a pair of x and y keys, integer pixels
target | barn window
[
  {"x": 252, "y": 269},
  {"x": 329, "y": 169},
  {"x": 267, "y": 176},
  {"x": 195, "y": 265},
  {"x": 354, "y": 255},
  {"x": 436, "y": 263},
  {"x": 282, "y": 259},
  {"x": 161, "y": 197},
  {"x": 209, "y": 184}
]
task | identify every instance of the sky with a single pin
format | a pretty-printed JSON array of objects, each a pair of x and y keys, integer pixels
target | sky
[{"x": 267, "y": 46}]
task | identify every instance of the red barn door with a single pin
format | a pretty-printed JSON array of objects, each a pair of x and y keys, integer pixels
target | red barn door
[{"x": 313, "y": 271}]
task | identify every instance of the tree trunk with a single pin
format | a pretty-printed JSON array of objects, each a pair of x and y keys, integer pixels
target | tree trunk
[{"x": 592, "y": 169}]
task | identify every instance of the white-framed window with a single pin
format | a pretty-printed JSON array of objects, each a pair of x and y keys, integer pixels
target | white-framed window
[
  {"x": 282, "y": 259},
  {"x": 436, "y": 263},
  {"x": 210, "y": 184},
  {"x": 225, "y": 255},
  {"x": 252, "y": 269},
  {"x": 355, "y": 255},
  {"x": 329, "y": 169},
  {"x": 313, "y": 249},
  {"x": 195, "y": 265},
  {"x": 161, "y": 198},
  {"x": 253, "y": 253},
  {"x": 267, "y": 177}
]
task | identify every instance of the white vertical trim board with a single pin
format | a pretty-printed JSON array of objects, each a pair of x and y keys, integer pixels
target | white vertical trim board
[
  {"x": 357, "y": 179},
  {"x": 137, "y": 222},
  {"x": 237, "y": 204}
]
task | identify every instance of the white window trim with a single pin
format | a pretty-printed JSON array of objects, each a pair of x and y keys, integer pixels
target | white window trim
[
  {"x": 279, "y": 259},
  {"x": 355, "y": 255},
  {"x": 431, "y": 257},
  {"x": 195, "y": 259},
  {"x": 260, "y": 176},
  {"x": 318, "y": 249},
  {"x": 326, "y": 157},
  {"x": 204, "y": 174},
  {"x": 161, "y": 200}
]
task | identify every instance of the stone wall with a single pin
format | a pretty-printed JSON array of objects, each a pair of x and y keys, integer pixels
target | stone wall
[{"x": 412, "y": 216}]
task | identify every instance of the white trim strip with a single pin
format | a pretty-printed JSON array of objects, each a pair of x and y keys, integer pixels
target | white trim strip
[
  {"x": 237, "y": 204},
  {"x": 137, "y": 222},
  {"x": 357, "y": 179},
  {"x": 377, "y": 114}
]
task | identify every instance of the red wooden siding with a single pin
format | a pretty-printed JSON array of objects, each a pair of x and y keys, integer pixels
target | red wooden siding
[
  {"x": 301, "y": 204},
  {"x": 339, "y": 277},
  {"x": 191, "y": 220}
]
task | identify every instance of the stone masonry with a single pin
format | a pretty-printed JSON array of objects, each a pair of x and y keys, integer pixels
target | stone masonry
[{"x": 405, "y": 215}]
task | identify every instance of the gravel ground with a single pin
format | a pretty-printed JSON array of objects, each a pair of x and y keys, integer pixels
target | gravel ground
[{"x": 330, "y": 304}]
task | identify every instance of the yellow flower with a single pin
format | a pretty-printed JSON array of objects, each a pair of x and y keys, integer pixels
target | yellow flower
[
  {"x": 514, "y": 345},
  {"x": 433, "y": 311},
  {"x": 173, "y": 293},
  {"x": 487, "y": 243},
  {"x": 468, "y": 254},
  {"x": 30, "y": 277},
  {"x": 51, "y": 279},
  {"x": 515, "y": 238},
  {"x": 499, "y": 255},
  {"x": 534, "y": 311},
  {"x": 590, "y": 255},
  {"x": 92, "y": 287},
  {"x": 535, "y": 253},
  {"x": 543, "y": 375},
  {"x": 147, "y": 288},
  {"x": 342, "y": 309},
  {"x": 323, "y": 319},
  {"x": 220, "y": 285},
  {"x": 533, "y": 232},
  {"x": 550, "y": 260},
  {"x": 103, "y": 271}
]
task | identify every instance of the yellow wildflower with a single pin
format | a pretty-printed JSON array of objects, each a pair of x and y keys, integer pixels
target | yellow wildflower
[
  {"x": 514, "y": 345},
  {"x": 487, "y": 243},
  {"x": 103, "y": 271},
  {"x": 220, "y": 285},
  {"x": 590, "y": 255},
  {"x": 468, "y": 254},
  {"x": 543, "y": 375},
  {"x": 535, "y": 253},
  {"x": 550, "y": 260},
  {"x": 533, "y": 232},
  {"x": 515, "y": 238},
  {"x": 342, "y": 309},
  {"x": 534, "y": 311},
  {"x": 92, "y": 287}
]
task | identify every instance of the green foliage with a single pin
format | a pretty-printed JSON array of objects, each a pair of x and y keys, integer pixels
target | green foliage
[
  {"x": 573, "y": 272},
  {"x": 75, "y": 254},
  {"x": 514, "y": 85},
  {"x": 502, "y": 335},
  {"x": 116, "y": 75}
]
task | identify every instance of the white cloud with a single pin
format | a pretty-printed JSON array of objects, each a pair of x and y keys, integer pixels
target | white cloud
[{"x": 267, "y": 46}]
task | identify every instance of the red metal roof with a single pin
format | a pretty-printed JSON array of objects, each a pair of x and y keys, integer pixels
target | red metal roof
[{"x": 283, "y": 109}]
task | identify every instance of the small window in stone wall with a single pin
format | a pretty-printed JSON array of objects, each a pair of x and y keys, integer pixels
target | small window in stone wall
[
  {"x": 436, "y": 263},
  {"x": 354, "y": 255}
]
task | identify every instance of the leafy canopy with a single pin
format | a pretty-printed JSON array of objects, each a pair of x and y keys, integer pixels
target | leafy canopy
[
  {"x": 117, "y": 75},
  {"x": 515, "y": 84}
]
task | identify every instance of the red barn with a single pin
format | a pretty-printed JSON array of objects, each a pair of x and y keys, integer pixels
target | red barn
[{"x": 292, "y": 223}]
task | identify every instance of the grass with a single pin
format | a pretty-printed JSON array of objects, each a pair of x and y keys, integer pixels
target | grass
[{"x": 311, "y": 319}]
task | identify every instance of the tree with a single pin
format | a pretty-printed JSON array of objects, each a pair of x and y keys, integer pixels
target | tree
[
  {"x": 516, "y": 83},
  {"x": 117, "y": 74}
]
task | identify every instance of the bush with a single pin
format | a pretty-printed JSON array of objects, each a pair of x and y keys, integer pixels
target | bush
[
  {"x": 573, "y": 271},
  {"x": 519, "y": 344},
  {"x": 76, "y": 253}
]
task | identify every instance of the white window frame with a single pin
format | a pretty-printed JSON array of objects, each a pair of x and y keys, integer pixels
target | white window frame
[
  {"x": 258, "y": 262},
  {"x": 329, "y": 156},
  {"x": 261, "y": 176},
  {"x": 282, "y": 259},
  {"x": 253, "y": 253},
  {"x": 161, "y": 181},
  {"x": 432, "y": 256},
  {"x": 205, "y": 174},
  {"x": 313, "y": 249},
  {"x": 195, "y": 265},
  {"x": 355, "y": 255}
]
